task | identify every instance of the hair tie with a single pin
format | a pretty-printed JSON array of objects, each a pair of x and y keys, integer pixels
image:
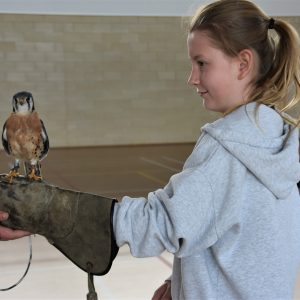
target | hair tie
[{"x": 271, "y": 23}]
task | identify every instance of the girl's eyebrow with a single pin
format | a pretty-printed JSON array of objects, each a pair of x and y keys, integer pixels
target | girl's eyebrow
[{"x": 197, "y": 57}]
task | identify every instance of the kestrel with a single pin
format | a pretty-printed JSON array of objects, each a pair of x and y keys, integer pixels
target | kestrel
[{"x": 24, "y": 137}]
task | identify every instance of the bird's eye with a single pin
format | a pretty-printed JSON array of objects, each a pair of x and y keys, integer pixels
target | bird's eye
[{"x": 28, "y": 99}]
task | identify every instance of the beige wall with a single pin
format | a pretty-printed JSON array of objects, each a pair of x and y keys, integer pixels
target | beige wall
[{"x": 102, "y": 80}]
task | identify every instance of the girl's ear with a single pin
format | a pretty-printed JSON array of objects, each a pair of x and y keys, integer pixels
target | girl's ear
[{"x": 246, "y": 64}]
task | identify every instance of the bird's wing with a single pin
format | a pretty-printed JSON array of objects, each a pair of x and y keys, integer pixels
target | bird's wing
[
  {"x": 45, "y": 141},
  {"x": 5, "y": 140}
]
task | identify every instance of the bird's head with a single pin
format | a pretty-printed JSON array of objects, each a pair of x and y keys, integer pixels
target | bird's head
[{"x": 23, "y": 102}]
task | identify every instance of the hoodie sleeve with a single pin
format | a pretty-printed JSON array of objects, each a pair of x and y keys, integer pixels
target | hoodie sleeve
[{"x": 178, "y": 218}]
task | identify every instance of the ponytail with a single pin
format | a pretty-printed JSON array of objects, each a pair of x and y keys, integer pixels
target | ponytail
[{"x": 280, "y": 86}]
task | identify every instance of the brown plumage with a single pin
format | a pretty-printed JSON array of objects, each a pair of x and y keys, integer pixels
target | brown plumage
[{"x": 24, "y": 133}]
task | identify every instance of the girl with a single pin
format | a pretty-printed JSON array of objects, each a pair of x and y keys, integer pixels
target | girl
[{"x": 232, "y": 216}]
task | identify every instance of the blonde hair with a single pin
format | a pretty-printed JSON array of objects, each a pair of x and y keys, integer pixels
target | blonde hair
[{"x": 235, "y": 25}]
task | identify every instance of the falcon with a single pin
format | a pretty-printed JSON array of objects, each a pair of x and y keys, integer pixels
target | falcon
[{"x": 24, "y": 137}]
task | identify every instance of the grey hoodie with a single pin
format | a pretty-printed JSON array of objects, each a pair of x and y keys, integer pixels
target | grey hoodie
[{"x": 231, "y": 217}]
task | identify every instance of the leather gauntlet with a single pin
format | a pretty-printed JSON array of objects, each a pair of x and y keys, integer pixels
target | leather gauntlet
[{"x": 78, "y": 224}]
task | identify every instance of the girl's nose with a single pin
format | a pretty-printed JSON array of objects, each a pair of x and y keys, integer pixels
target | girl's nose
[{"x": 193, "y": 78}]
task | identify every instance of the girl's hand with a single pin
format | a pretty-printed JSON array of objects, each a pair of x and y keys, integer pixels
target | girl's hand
[
  {"x": 163, "y": 292},
  {"x": 7, "y": 234}
]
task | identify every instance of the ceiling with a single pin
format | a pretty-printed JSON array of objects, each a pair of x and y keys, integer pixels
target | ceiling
[{"x": 133, "y": 7}]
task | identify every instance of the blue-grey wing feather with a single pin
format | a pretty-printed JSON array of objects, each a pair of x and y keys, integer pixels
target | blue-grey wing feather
[
  {"x": 5, "y": 142},
  {"x": 45, "y": 139}
]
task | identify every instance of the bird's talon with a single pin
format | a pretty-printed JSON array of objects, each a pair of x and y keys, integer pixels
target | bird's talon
[
  {"x": 11, "y": 175},
  {"x": 34, "y": 177}
]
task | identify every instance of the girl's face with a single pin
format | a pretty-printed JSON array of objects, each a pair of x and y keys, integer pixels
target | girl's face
[{"x": 215, "y": 75}]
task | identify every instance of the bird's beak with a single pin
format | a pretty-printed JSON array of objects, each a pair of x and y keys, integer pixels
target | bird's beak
[{"x": 21, "y": 101}]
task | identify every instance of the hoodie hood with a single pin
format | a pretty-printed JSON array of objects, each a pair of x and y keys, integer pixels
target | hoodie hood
[{"x": 255, "y": 135}]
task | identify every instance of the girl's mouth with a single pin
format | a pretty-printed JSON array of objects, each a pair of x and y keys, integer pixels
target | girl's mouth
[{"x": 202, "y": 93}]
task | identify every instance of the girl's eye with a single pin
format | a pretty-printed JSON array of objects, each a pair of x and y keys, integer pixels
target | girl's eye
[{"x": 201, "y": 63}]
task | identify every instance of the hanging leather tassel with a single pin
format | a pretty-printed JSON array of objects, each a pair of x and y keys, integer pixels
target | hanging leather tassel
[{"x": 92, "y": 295}]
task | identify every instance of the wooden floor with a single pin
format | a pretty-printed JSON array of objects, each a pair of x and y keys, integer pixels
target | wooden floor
[
  {"x": 112, "y": 172},
  {"x": 108, "y": 171},
  {"x": 115, "y": 171}
]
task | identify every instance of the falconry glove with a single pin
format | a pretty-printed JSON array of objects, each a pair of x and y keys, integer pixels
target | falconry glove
[{"x": 78, "y": 224}]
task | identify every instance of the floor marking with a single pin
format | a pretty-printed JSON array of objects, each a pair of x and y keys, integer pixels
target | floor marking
[
  {"x": 155, "y": 163},
  {"x": 152, "y": 178},
  {"x": 126, "y": 191},
  {"x": 165, "y": 261},
  {"x": 173, "y": 160}
]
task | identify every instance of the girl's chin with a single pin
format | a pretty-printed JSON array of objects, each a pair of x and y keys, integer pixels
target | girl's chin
[{"x": 213, "y": 108}]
